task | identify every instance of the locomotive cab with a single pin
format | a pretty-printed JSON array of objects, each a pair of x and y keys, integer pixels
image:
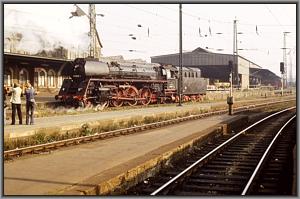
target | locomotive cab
[{"x": 170, "y": 73}]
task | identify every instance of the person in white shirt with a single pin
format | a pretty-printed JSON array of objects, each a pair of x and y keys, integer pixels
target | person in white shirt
[{"x": 16, "y": 103}]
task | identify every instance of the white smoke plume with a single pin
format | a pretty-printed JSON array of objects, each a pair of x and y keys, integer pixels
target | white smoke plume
[{"x": 44, "y": 32}]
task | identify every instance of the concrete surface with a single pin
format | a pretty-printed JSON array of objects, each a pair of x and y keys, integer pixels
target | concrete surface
[
  {"x": 69, "y": 122},
  {"x": 57, "y": 171}
]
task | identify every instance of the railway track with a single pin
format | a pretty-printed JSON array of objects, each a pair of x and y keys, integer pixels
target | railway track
[
  {"x": 270, "y": 180},
  {"x": 9, "y": 154},
  {"x": 249, "y": 162}
]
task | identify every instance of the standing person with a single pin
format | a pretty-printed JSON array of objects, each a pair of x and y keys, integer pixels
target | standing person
[
  {"x": 16, "y": 103},
  {"x": 30, "y": 103},
  {"x": 4, "y": 103}
]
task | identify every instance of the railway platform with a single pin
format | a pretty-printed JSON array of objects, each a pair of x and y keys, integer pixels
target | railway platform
[
  {"x": 71, "y": 122},
  {"x": 97, "y": 167},
  {"x": 65, "y": 123}
]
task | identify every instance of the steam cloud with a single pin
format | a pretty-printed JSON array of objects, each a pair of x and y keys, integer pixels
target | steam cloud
[{"x": 37, "y": 34}]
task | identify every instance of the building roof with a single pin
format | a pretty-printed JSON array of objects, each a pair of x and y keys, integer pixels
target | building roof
[
  {"x": 40, "y": 58},
  {"x": 200, "y": 50},
  {"x": 30, "y": 60},
  {"x": 203, "y": 51},
  {"x": 263, "y": 73}
]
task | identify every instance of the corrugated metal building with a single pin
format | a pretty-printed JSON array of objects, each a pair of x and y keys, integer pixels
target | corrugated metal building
[{"x": 213, "y": 65}]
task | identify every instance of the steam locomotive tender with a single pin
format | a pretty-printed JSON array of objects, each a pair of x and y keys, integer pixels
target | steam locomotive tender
[{"x": 117, "y": 83}]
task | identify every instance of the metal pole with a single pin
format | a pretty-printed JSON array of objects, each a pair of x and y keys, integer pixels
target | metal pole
[
  {"x": 230, "y": 92},
  {"x": 290, "y": 68},
  {"x": 234, "y": 47},
  {"x": 282, "y": 84},
  {"x": 92, "y": 17},
  {"x": 232, "y": 66},
  {"x": 180, "y": 56},
  {"x": 284, "y": 60},
  {"x": 236, "y": 56}
]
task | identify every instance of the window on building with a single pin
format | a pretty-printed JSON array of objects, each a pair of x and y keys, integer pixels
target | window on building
[
  {"x": 192, "y": 75},
  {"x": 196, "y": 75},
  {"x": 51, "y": 79},
  {"x": 23, "y": 77},
  {"x": 8, "y": 78},
  {"x": 36, "y": 79},
  {"x": 42, "y": 79},
  {"x": 59, "y": 81},
  {"x": 185, "y": 75}
]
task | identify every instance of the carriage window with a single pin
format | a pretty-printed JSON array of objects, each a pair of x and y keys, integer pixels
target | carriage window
[
  {"x": 172, "y": 74},
  {"x": 168, "y": 74}
]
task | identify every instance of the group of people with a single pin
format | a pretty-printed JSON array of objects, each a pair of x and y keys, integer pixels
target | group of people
[{"x": 15, "y": 100}]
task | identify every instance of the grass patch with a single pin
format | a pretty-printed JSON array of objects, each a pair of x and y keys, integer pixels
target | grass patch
[{"x": 44, "y": 136}]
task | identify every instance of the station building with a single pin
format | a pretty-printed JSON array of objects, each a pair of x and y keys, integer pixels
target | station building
[
  {"x": 215, "y": 66},
  {"x": 42, "y": 72}
]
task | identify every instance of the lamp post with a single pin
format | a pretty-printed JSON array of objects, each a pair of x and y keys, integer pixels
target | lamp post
[{"x": 180, "y": 56}]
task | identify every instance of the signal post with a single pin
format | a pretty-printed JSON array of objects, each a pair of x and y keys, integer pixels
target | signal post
[{"x": 230, "y": 97}]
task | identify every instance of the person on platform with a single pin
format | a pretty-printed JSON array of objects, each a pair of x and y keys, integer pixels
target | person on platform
[
  {"x": 16, "y": 103},
  {"x": 4, "y": 103},
  {"x": 30, "y": 103}
]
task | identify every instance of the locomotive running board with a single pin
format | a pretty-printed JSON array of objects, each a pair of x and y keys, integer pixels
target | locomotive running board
[{"x": 130, "y": 80}]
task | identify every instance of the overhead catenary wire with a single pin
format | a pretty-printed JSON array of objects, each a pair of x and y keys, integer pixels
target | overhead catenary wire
[
  {"x": 129, "y": 28},
  {"x": 199, "y": 17},
  {"x": 190, "y": 30}
]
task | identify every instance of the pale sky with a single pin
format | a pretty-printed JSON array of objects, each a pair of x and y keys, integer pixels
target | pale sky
[{"x": 262, "y": 27}]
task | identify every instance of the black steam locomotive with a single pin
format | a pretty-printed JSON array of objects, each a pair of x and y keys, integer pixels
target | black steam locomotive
[{"x": 117, "y": 83}]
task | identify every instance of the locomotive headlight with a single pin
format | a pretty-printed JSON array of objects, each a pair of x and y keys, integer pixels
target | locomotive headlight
[
  {"x": 79, "y": 89},
  {"x": 63, "y": 89}
]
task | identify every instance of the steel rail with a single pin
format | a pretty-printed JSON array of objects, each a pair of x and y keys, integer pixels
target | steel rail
[
  {"x": 263, "y": 158},
  {"x": 129, "y": 129},
  {"x": 211, "y": 152}
]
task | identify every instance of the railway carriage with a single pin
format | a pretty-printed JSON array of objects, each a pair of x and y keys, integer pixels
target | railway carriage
[{"x": 118, "y": 83}]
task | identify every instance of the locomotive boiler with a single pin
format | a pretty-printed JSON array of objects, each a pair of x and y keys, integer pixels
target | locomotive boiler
[{"x": 114, "y": 83}]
